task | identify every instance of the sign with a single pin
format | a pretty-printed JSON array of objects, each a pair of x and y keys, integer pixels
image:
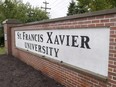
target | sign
[
  {"x": 5, "y": 37},
  {"x": 84, "y": 48}
]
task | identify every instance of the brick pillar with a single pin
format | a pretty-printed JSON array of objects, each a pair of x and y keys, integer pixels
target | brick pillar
[{"x": 8, "y": 24}]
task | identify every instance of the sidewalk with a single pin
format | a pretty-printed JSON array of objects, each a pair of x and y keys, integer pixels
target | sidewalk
[{"x": 15, "y": 73}]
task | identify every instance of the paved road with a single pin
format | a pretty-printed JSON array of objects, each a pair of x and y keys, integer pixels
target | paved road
[{"x": 15, "y": 73}]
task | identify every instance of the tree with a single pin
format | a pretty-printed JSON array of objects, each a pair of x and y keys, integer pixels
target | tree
[
  {"x": 96, "y": 5},
  {"x": 112, "y": 2},
  {"x": 16, "y": 9},
  {"x": 80, "y": 8},
  {"x": 83, "y": 6},
  {"x": 76, "y": 8},
  {"x": 36, "y": 14},
  {"x": 71, "y": 8}
]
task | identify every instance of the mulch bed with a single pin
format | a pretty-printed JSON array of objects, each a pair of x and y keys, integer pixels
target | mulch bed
[{"x": 15, "y": 73}]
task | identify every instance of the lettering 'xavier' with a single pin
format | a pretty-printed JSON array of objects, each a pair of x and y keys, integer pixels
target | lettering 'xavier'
[{"x": 69, "y": 40}]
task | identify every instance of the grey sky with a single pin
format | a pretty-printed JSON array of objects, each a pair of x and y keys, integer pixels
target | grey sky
[{"x": 58, "y": 7}]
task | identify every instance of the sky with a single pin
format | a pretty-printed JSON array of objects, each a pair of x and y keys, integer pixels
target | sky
[{"x": 59, "y": 8}]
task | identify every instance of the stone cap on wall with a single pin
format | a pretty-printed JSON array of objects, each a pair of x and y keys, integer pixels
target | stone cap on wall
[
  {"x": 11, "y": 21},
  {"x": 76, "y": 16}
]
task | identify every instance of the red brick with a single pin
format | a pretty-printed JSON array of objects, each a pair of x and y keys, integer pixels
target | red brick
[
  {"x": 112, "y": 66},
  {"x": 105, "y": 20},
  {"x": 113, "y": 85},
  {"x": 103, "y": 84},
  {"x": 113, "y": 20},
  {"x": 109, "y": 16},
  {"x": 113, "y": 35},
  {"x": 109, "y": 84},
  {"x": 100, "y": 17},
  {"x": 114, "y": 77},
  {"x": 115, "y": 31},
  {"x": 111, "y": 55},
  {"x": 115, "y": 48},
  {"x": 115, "y": 63},
  {"x": 114, "y": 71},
  {"x": 109, "y": 24},
  {"x": 111, "y": 58},
  {"x": 112, "y": 32},
  {"x": 111, "y": 62},
  {"x": 110, "y": 70},
  {"x": 94, "y": 81},
  {"x": 113, "y": 51},
  {"x": 112, "y": 81},
  {"x": 100, "y": 25},
  {"x": 84, "y": 25},
  {"x": 112, "y": 44},
  {"x": 91, "y": 18},
  {"x": 114, "y": 55},
  {"x": 91, "y": 25},
  {"x": 112, "y": 40},
  {"x": 111, "y": 73},
  {"x": 82, "y": 19},
  {"x": 110, "y": 76},
  {"x": 84, "y": 22},
  {"x": 77, "y": 26},
  {"x": 95, "y": 21},
  {"x": 113, "y": 28}
]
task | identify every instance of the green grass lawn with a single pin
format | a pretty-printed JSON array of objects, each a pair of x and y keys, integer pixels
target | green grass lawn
[{"x": 2, "y": 50}]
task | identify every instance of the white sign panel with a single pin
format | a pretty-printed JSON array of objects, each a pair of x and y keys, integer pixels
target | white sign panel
[
  {"x": 5, "y": 37},
  {"x": 84, "y": 48}
]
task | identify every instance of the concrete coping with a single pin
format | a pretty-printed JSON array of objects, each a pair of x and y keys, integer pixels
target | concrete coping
[
  {"x": 11, "y": 21},
  {"x": 76, "y": 16}
]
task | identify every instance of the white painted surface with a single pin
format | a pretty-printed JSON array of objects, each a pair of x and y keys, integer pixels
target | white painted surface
[
  {"x": 5, "y": 36},
  {"x": 94, "y": 59}
]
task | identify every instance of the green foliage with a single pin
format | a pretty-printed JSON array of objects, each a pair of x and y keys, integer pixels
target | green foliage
[
  {"x": 95, "y": 5},
  {"x": 76, "y": 9},
  {"x": 2, "y": 50},
  {"x": 71, "y": 8},
  {"x": 36, "y": 14},
  {"x": 16, "y": 9},
  {"x": 82, "y": 6},
  {"x": 112, "y": 3}
]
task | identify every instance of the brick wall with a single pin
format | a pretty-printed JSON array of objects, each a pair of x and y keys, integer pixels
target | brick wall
[{"x": 62, "y": 74}]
